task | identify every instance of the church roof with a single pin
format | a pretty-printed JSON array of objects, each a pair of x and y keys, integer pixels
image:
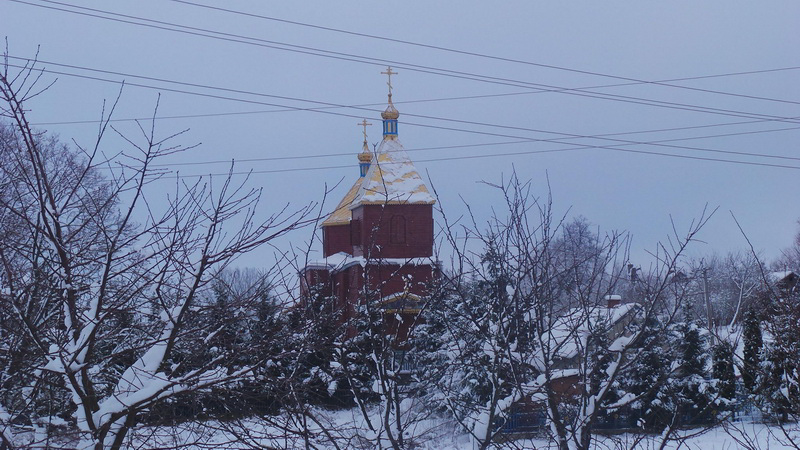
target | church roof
[
  {"x": 341, "y": 215},
  {"x": 392, "y": 179}
]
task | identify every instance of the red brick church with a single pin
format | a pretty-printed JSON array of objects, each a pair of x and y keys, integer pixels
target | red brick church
[{"x": 378, "y": 242}]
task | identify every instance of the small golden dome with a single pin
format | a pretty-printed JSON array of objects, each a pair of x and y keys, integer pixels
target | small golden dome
[
  {"x": 391, "y": 112},
  {"x": 365, "y": 156}
]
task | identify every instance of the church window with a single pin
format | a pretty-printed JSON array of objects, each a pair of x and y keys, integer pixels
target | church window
[
  {"x": 398, "y": 230},
  {"x": 355, "y": 232}
]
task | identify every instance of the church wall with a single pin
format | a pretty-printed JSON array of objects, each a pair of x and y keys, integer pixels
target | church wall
[
  {"x": 319, "y": 279},
  {"x": 335, "y": 239},
  {"x": 401, "y": 328},
  {"x": 384, "y": 281},
  {"x": 391, "y": 279},
  {"x": 394, "y": 231}
]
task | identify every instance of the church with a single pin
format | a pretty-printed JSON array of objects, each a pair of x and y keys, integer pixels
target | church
[{"x": 377, "y": 244}]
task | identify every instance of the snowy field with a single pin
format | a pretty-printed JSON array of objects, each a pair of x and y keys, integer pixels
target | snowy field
[{"x": 351, "y": 433}]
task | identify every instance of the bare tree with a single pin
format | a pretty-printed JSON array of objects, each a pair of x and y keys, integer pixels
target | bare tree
[
  {"x": 523, "y": 326},
  {"x": 790, "y": 256},
  {"x": 103, "y": 282},
  {"x": 770, "y": 361},
  {"x": 733, "y": 282}
]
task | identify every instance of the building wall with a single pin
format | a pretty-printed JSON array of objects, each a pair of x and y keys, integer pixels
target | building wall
[
  {"x": 377, "y": 232},
  {"x": 335, "y": 239},
  {"x": 388, "y": 279},
  {"x": 319, "y": 279},
  {"x": 384, "y": 280},
  {"x": 393, "y": 231}
]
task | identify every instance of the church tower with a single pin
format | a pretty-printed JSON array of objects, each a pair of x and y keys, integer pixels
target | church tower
[{"x": 378, "y": 242}]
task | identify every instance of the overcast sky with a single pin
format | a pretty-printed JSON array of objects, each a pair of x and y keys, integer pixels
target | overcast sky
[{"x": 639, "y": 113}]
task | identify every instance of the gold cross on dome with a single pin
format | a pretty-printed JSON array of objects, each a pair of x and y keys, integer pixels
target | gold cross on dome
[
  {"x": 390, "y": 73},
  {"x": 364, "y": 124}
]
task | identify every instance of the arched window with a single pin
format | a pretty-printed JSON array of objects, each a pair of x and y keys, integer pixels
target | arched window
[
  {"x": 398, "y": 230},
  {"x": 355, "y": 232}
]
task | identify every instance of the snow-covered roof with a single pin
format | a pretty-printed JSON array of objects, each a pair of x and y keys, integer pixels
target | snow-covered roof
[
  {"x": 341, "y": 260},
  {"x": 781, "y": 275},
  {"x": 392, "y": 179},
  {"x": 571, "y": 331}
]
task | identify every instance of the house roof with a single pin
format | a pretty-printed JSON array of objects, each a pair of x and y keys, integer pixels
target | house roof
[
  {"x": 571, "y": 331},
  {"x": 786, "y": 276}
]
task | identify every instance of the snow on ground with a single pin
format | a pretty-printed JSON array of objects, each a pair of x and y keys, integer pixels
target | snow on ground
[
  {"x": 351, "y": 432},
  {"x": 754, "y": 436}
]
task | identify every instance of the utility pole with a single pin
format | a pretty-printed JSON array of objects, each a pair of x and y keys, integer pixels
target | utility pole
[{"x": 704, "y": 270}]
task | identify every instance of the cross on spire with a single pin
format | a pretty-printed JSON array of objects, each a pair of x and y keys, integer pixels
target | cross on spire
[
  {"x": 365, "y": 157},
  {"x": 391, "y": 114},
  {"x": 389, "y": 73},
  {"x": 364, "y": 124}
]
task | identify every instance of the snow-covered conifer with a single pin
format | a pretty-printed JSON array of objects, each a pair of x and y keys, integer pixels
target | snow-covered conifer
[{"x": 753, "y": 348}]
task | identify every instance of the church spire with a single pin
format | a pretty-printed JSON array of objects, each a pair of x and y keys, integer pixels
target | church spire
[
  {"x": 391, "y": 114},
  {"x": 365, "y": 157}
]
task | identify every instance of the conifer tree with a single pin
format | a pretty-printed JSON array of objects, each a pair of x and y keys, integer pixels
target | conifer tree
[
  {"x": 316, "y": 340},
  {"x": 772, "y": 387},
  {"x": 779, "y": 376},
  {"x": 469, "y": 347},
  {"x": 753, "y": 348},
  {"x": 654, "y": 406},
  {"x": 694, "y": 390},
  {"x": 724, "y": 374}
]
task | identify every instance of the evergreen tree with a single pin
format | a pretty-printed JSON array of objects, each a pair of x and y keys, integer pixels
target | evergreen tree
[
  {"x": 694, "y": 392},
  {"x": 774, "y": 390},
  {"x": 753, "y": 347},
  {"x": 724, "y": 374},
  {"x": 317, "y": 337},
  {"x": 779, "y": 380},
  {"x": 647, "y": 381},
  {"x": 597, "y": 364},
  {"x": 221, "y": 319},
  {"x": 469, "y": 345}
]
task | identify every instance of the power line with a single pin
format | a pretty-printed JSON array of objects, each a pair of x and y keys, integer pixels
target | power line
[
  {"x": 407, "y": 66},
  {"x": 632, "y": 81},
  {"x": 330, "y": 105},
  {"x": 363, "y": 105},
  {"x": 496, "y": 155},
  {"x": 366, "y": 105},
  {"x": 259, "y": 94},
  {"x": 566, "y": 135},
  {"x": 570, "y": 136},
  {"x": 609, "y": 147},
  {"x": 661, "y": 143}
]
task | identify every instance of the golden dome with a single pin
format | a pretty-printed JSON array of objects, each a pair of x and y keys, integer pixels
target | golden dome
[
  {"x": 391, "y": 112},
  {"x": 365, "y": 156}
]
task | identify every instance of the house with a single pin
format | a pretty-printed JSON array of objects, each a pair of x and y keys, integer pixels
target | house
[
  {"x": 377, "y": 244},
  {"x": 573, "y": 332},
  {"x": 783, "y": 281},
  {"x": 567, "y": 343}
]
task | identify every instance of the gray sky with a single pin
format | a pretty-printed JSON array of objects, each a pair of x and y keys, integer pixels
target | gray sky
[{"x": 552, "y": 76}]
